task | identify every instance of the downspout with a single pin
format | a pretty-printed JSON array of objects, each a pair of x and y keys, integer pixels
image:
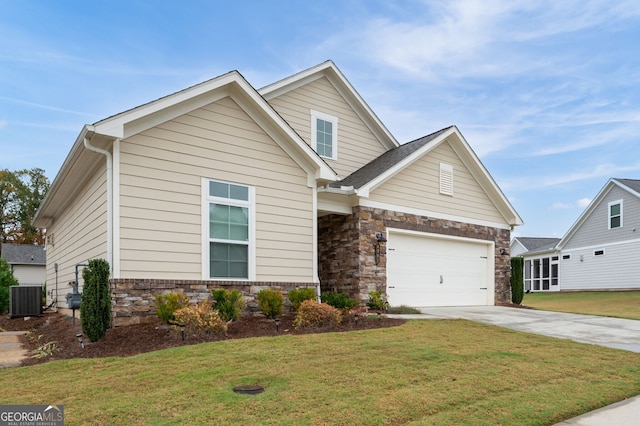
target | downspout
[{"x": 109, "y": 198}]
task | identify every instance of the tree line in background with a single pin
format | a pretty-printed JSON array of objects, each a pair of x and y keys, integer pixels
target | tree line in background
[{"x": 21, "y": 193}]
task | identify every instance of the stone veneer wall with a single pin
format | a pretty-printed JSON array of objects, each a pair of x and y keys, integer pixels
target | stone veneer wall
[
  {"x": 346, "y": 249},
  {"x": 133, "y": 300}
]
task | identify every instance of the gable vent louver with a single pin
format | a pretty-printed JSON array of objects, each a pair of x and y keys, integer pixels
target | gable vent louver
[{"x": 446, "y": 179}]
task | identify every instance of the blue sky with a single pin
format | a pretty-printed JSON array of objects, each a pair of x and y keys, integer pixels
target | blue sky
[{"x": 547, "y": 93}]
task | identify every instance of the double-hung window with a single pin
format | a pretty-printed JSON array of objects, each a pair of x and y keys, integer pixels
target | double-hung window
[
  {"x": 228, "y": 210},
  {"x": 615, "y": 214},
  {"x": 324, "y": 134}
]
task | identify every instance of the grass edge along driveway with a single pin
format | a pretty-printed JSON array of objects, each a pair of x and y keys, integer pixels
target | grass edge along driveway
[
  {"x": 424, "y": 372},
  {"x": 617, "y": 304}
]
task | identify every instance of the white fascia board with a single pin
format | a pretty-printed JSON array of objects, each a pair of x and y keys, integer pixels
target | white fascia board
[
  {"x": 280, "y": 131},
  {"x": 626, "y": 188},
  {"x": 586, "y": 213},
  {"x": 171, "y": 106},
  {"x": 41, "y": 219},
  {"x": 486, "y": 181}
]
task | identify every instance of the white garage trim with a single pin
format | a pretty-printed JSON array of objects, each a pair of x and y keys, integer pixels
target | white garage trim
[{"x": 426, "y": 269}]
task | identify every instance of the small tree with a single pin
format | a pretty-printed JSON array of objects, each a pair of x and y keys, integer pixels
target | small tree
[
  {"x": 6, "y": 280},
  {"x": 95, "y": 309},
  {"x": 517, "y": 279}
]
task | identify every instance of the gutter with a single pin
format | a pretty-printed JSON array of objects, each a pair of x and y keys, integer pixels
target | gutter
[{"x": 109, "y": 159}]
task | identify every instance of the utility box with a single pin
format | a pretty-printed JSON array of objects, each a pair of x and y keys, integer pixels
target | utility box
[
  {"x": 74, "y": 300},
  {"x": 25, "y": 301}
]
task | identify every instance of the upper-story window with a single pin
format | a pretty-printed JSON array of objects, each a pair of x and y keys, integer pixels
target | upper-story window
[
  {"x": 615, "y": 214},
  {"x": 324, "y": 134},
  {"x": 229, "y": 226}
]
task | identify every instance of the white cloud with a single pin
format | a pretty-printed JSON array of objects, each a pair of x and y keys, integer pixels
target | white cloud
[
  {"x": 583, "y": 202},
  {"x": 3, "y": 124},
  {"x": 560, "y": 206}
]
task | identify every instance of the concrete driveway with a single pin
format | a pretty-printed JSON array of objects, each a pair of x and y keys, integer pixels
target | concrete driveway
[{"x": 611, "y": 332}]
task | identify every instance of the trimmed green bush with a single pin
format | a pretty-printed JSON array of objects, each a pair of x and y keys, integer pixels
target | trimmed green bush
[
  {"x": 338, "y": 300},
  {"x": 299, "y": 295},
  {"x": 270, "y": 302},
  {"x": 167, "y": 304},
  {"x": 95, "y": 309},
  {"x": 314, "y": 314},
  {"x": 228, "y": 302},
  {"x": 517, "y": 279},
  {"x": 377, "y": 300}
]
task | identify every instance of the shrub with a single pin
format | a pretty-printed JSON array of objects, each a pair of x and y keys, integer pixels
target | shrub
[
  {"x": 95, "y": 309},
  {"x": 229, "y": 303},
  {"x": 314, "y": 314},
  {"x": 200, "y": 319},
  {"x": 517, "y": 279},
  {"x": 377, "y": 300},
  {"x": 167, "y": 304},
  {"x": 6, "y": 280},
  {"x": 339, "y": 300},
  {"x": 402, "y": 309},
  {"x": 270, "y": 302},
  {"x": 299, "y": 295}
]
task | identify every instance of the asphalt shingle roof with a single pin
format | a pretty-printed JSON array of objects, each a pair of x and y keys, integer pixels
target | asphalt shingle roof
[
  {"x": 375, "y": 168},
  {"x": 24, "y": 254},
  {"x": 538, "y": 244},
  {"x": 634, "y": 184}
]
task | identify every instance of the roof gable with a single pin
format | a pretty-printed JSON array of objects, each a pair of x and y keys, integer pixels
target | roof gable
[
  {"x": 533, "y": 244},
  {"x": 331, "y": 72},
  {"x": 80, "y": 161},
  {"x": 385, "y": 167},
  {"x": 631, "y": 186}
]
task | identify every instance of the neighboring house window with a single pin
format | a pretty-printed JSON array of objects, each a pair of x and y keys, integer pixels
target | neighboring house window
[
  {"x": 229, "y": 210},
  {"x": 446, "y": 179},
  {"x": 615, "y": 214},
  {"x": 324, "y": 134}
]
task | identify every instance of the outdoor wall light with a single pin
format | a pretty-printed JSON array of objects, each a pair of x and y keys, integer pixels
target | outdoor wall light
[
  {"x": 503, "y": 251},
  {"x": 380, "y": 238}
]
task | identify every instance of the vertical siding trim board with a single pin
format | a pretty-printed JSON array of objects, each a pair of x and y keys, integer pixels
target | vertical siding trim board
[{"x": 133, "y": 300}]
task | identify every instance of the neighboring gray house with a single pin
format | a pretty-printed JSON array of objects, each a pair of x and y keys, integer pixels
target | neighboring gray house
[
  {"x": 599, "y": 252},
  {"x": 27, "y": 262}
]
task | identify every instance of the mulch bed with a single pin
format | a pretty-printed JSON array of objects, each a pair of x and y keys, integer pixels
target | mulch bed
[{"x": 135, "y": 339}]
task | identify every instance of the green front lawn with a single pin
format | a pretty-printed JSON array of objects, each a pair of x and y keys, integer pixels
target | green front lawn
[
  {"x": 619, "y": 304},
  {"x": 445, "y": 372}
]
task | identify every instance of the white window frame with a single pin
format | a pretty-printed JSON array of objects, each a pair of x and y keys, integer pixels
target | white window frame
[
  {"x": 613, "y": 203},
  {"x": 251, "y": 242},
  {"x": 315, "y": 116}
]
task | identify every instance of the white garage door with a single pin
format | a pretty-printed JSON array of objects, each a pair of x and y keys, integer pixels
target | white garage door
[{"x": 431, "y": 270}]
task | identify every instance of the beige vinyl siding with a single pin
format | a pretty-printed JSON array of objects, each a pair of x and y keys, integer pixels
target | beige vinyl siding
[
  {"x": 79, "y": 234},
  {"x": 418, "y": 187},
  {"x": 357, "y": 146},
  {"x": 160, "y": 195}
]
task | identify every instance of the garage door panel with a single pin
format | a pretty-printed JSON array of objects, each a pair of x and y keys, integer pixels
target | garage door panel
[{"x": 423, "y": 270}]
